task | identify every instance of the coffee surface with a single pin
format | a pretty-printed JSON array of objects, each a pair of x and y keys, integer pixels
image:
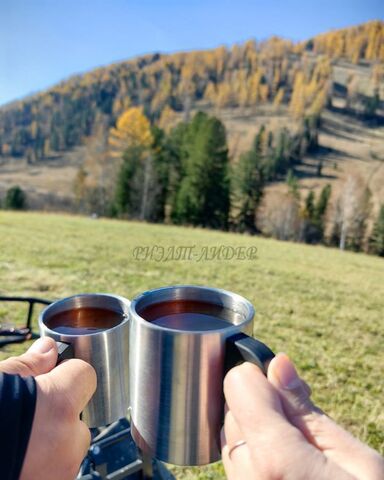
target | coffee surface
[
  {"x": 189, "y": 315},
  {"x": 83, "y": 321}
]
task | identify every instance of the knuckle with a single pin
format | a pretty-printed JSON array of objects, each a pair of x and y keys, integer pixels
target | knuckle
[
  {"x": 14, "y": 365},
  {"x": 317, "y": 422},
  {"x": 32, "y": 362},
  {"x": 232, "y": 377},
  {"x": 240, "y": 373}
]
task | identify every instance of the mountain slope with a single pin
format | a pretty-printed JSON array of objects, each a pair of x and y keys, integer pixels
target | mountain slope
[
  {"x": 247, "y": 75},
  {"x": 46, "y": 137}
]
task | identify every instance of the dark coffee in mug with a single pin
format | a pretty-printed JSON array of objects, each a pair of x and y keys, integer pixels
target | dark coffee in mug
[
  {"x": 83, "y": 321},
  {"x": 190, "y": 315}
]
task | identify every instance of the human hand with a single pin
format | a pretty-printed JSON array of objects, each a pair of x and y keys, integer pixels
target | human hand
[
  {"x": 286, "y": 436},
  {"x": 59, "y": 440}
]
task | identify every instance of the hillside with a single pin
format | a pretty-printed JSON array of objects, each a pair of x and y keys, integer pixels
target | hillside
[
  {"x": 44, "y": 139},
  {"x": 321, "y": 306}
]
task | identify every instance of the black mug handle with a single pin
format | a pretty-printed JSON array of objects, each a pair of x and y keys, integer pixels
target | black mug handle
[
  {"x": 242, "y": 348},
  {"x": 65, "y": 351}
]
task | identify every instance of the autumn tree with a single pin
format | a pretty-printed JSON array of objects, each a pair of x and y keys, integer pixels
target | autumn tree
[
  {"x": 278, "y": 100},
  {"x": 350, "y": 214},
  {"x": 280, "y": 216},
  {"x": 137, "y": 185},
  {"x": 168, "y": 119},
  {"x": 80, "y": 188},
  {"x": 297, "y": 103},
  {"x": 132, "y": 130}
]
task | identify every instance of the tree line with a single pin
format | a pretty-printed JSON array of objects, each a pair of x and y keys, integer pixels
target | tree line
[{"x": 186, "y": 177}]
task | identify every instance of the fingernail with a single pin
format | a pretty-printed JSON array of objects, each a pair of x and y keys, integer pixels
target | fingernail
[
  {"x": 42, "y": 345},
  {"x": 287, "y": 375}
]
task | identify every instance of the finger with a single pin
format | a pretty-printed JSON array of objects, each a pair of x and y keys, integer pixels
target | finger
[
  {"x": 257, "y": 409},
  {"x": 336, "y": 443},
  {"x": 232, "y": 431},
  {"x": 39, "y": 359},
  {"x": 294, "y": 392},
  {"x": 252, "y": 399},
  {"x": 76, "y": 381},
  {"x": 237, "y": 462}
]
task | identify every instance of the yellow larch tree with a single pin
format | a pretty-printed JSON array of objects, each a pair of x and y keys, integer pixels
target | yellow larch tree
[
  {"x": 254, "y": 88},
  {"x": 224, "y": 95},
  {"x": 132, "y": 130},
  {"x": 168, "y": 118},
  {"x": 278, "y": 97},
  {"x": 210, "y": 93},
  {"x": 264, "y": 92},
  {"x": 297, "y": 104},
  {"x": 319, "y": 101}
]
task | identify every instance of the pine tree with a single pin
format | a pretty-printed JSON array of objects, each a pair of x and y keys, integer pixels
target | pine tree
[
  {"x": 127, "y": 194},
  {"x": 310, "y": 205},
  {"x": 249, "y": 186},
  {"x": 15, "y": 198},
  {"x": 322, "y": 203},
  {"x": 376, "y": 241},
  {"x": 293, "y": 184},
  {"x": 314, "y": 216},
  {"x": 203, "y": 196}
]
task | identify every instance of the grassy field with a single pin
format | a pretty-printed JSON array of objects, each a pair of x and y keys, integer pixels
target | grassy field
[{"x": 323, "y": 307}]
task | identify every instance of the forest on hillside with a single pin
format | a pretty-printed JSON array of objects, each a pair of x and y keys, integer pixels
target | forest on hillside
[
  {"x": 275, "y": 71},
  {"x": 156, "y": 149}
]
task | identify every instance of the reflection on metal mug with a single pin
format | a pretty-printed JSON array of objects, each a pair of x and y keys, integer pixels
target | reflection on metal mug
[
  {"x": 182, "y": 341},
  {"x": 97, "y": 328}
]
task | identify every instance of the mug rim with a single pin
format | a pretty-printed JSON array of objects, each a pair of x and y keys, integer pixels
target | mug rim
[
  {"x": 248, "y": 317},
  {"x": 43, "y": 327}
]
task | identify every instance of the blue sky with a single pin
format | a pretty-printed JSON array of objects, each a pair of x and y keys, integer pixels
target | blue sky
[{"x": 45, "y": 41}]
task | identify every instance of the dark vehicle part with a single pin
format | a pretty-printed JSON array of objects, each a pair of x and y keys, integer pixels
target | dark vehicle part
[{"x": 11, "y": 334}]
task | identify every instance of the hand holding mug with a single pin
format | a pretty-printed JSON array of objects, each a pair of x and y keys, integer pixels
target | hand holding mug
[
  {"x": 59, "y": 440},
  {"x": 273, "y": 430}
]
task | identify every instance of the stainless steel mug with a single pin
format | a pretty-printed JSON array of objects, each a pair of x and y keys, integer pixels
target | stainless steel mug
[
  {"x": 105, "y": 348},
  {"x": 176, "y": 374}
]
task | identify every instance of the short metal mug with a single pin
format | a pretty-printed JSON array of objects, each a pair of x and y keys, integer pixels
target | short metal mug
[
  {"x": 176, "y": 375},
  {"x": 106, "y": 351}
]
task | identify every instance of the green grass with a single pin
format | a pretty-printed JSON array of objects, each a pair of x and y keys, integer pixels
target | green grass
[{"x": 323, "y": 307}]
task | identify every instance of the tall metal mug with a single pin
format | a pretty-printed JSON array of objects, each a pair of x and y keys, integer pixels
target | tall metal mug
[
  {"x": 176, "y": 374},
  {"x": 104, "y": 346}
]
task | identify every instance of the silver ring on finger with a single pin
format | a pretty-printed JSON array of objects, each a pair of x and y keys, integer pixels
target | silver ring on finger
[{"x": 238, "y": 444}]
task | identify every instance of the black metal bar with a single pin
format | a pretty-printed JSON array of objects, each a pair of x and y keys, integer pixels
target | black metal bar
[
  {"x": 111, "y": 439},
  {"x": 30, "y": 313},
  {"x": 31, "y": 302},
  {"x": 16, "y": 335},
  {"x": 25, "y": 299}
]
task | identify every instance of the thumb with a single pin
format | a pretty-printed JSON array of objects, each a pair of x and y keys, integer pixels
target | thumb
[
  {"x": 335, "y": 442},
  {"x": 40, "y": 358}
]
